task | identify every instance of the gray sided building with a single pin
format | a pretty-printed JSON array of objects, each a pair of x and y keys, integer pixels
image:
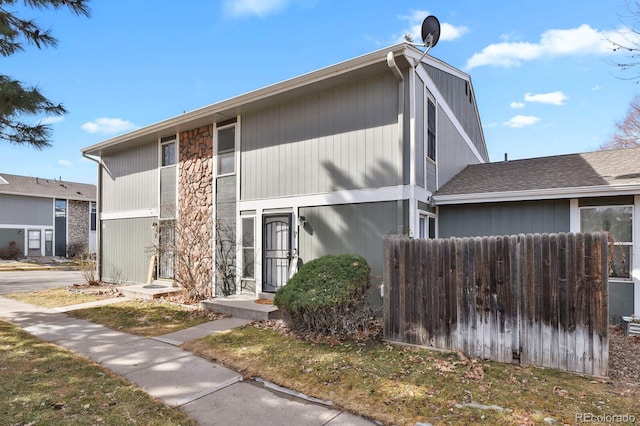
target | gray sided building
[
  {"x": 585, "y": 192},
  {"x": 42, "y": 217},
  {"x": 324, "y": 163}
]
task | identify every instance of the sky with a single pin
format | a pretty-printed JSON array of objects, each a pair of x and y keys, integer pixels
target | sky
[{"x": 543, "y": 71}]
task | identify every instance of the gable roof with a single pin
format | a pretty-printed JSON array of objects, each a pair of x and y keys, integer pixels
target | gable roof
[
  {"x": 599, "y": 173},
  {"x": 323, "y": 79},
  {"x": 49, "y": 188}
]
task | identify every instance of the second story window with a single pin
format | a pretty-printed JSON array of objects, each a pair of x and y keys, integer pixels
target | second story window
[
  {"x": 431, "y": 130},
  {"x": 168, "y": 151},
  {"x": 226, "y": 150}
]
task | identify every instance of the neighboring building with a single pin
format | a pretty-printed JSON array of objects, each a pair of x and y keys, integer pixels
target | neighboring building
[
  {"x": 42, "y": 217},
  {"x": 327, "y": 162},
  {"x": 568, "y": 193}
]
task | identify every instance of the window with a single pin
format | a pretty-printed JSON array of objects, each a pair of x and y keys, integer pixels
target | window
[
  {"x": 226, "y": 150},
  {"x": 61, "y": 208},
  {"x": 248, "y": 247},
  {"x": 432, "y": 227},
  {"x": 168, "y": 151},
  {"x": 34, "y": 240},
  {"x": 93, "y": 216},
  {"x": 617, "y": 220},
  {"x": 166, "y": 246},
  {"x": 427, "y": 227},
  {"x": 431, "y": 130}
]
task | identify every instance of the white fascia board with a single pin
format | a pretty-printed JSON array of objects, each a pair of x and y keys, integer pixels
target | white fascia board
[
  {"x": 46, "y": 196},
  {"x": 538, "y": 194},
  {"x": 22, "y": 226},
  {"x": 247, "y": 98},
  {"x": 129, "y": 214},
  {"x": 436, "y": 63},
  {"x": 389, "y": 193}
]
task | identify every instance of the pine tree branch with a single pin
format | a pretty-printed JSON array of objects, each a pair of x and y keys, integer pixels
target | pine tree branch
[
  {"x": 18, "y": 102},
  {"x": 14, "y": 29}
]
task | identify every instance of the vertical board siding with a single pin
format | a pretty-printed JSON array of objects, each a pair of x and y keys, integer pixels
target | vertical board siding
[
  {"x": 462, "y": 104},
  {"x": 350, "y": 228},
  {"x": 130, "y": 265},
  {"x": 130, "y": 179},
  {"x": 535, "y": 299},
  {"x": 510, "y": 218},
  {"x": 338, "y": 139},
  {"x": 432, "y": 182},
  {"x": 420, "y": 131},
  {"x": 20, "y": 210},
  {"x": 452, "y": 151}
]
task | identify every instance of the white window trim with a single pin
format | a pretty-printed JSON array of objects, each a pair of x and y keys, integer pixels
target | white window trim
[
  {"x": 160, "y": 154},
  {"x": 427, "y": 215},
  {"x": 631, "y": 244},
  {"x": 635, "y": 273},
  {"x": 242, "y": 247},
  {"x": 235, "y": 149}
]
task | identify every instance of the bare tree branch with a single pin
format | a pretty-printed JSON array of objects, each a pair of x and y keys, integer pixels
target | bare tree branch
[{"x": 628, "y": 130}]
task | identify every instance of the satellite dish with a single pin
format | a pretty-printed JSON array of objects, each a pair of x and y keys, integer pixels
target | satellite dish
[{"x": 430, "y": 31}]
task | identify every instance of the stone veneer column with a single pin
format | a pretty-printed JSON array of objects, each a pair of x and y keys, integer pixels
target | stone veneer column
[
  {"x": 78, "y": 222},
  {"x": 195, "y": 206}
]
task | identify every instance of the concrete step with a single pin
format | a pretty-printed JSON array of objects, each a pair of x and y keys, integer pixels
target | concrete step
[
  {"x": 242, "y": 307},
  {"x": 149, "y": 291}
]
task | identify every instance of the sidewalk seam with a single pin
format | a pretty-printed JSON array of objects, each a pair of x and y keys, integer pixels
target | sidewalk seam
[{"x": 209, "y": 391}]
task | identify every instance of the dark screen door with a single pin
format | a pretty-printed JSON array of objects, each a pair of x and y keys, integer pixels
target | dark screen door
[{"x": 277, "y": 251}]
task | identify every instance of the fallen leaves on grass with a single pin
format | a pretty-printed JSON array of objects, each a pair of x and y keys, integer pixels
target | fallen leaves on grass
[{"x": 404, "y": 385}]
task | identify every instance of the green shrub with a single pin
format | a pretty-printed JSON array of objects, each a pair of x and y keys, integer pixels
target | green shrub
[{"x": 328, "y": 296}]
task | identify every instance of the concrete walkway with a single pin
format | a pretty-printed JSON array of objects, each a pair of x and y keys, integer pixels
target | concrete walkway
[{"x": 209, "y": 393}]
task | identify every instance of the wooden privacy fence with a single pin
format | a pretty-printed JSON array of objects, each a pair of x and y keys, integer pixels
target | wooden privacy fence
[{"x": 535, "y": 299}]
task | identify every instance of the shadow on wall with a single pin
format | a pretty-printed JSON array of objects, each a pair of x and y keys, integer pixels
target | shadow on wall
[{"x": 353, "y": 228}]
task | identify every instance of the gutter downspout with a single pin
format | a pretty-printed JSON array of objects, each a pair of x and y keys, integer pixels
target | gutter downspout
[
  {"x": 98, "y": 214},
  {"x": 391, "y": 62}
]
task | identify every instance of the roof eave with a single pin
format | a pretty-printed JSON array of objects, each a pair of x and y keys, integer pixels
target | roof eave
[
  {"x": 51, "y": 196},
  {"x": 538, "y": 194}
]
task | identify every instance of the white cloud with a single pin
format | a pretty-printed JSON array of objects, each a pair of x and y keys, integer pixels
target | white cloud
[
  {"x": 52, "y": 120},
  {"x": 253, "y": 7},
  {"x": 552, "y": 98},
  {"x": 64, "y": 163},
  {"x": 596, "y": 88},
  {"x": 448, "y": 32},
  {"x": 107, "y": 125},
  {"x": 517, "y": 105},
  {"x": 522, "y": 121},
  {"x": 583, "y": 40}
]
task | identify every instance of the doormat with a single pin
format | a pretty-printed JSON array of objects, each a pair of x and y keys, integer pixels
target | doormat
[{"x": 264, "y": 302}]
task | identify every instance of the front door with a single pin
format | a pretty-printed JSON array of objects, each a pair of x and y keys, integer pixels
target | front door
[
  {"x": 277, "y": 251},
  {"x": 48, "y": 242}
]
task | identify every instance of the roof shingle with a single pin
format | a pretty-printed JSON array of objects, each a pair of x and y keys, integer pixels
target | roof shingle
[
  {"x": 599, "y": 168},
  {"x": 50, "y": 188}
]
